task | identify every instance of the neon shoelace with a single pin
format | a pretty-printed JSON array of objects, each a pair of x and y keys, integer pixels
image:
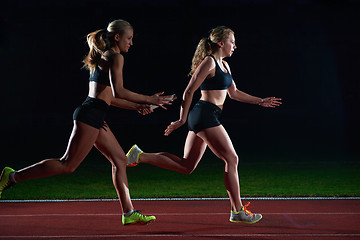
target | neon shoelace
[
  {"x": 246, "y": 210},
  {"x": 6, "y": 185},
  {"x": 138, "y": 212}
]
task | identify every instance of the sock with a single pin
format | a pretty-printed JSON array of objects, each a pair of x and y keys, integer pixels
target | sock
[
  {"x": 129, "y": 213},
  {"x": 12, "y": 177}
]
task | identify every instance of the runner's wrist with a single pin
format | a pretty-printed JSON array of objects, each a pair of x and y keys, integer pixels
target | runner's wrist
[{"x": 261, "y": 101}]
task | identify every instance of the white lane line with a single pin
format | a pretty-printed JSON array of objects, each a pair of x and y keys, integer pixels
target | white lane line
[{"x": 166, "y": 214}]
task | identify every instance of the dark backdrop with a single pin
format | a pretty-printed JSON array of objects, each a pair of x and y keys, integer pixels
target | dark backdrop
[{"x": 306, "y": 52}]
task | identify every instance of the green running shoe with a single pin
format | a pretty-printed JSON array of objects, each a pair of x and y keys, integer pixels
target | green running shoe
[
  {"x": 5, "y": 180},
  {"x": 136, "y": 218},
  {"x": 245, "y": 216},
  {"x": 133, "y": 156}
]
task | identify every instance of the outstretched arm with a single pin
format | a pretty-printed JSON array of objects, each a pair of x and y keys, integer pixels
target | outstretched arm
[
  {"x": 241, "y": 96},
  {"x": 143, "y": 109},
  {"x": 116, "y": 80}
]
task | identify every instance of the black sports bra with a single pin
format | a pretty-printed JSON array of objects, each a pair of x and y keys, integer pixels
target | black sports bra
[
  {"x": 100, "y": 76},
  {"x": 220, "y": 81}
]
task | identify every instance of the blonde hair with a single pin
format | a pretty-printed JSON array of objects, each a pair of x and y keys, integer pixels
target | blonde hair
[
  {"x": 101, "y": 40},
  {"x": 209, "y": 45}
]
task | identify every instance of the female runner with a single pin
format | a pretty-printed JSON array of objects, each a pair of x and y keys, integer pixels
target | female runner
[
  {"x": 105, "y": 63},
  {"x": 212, "y": 75}
]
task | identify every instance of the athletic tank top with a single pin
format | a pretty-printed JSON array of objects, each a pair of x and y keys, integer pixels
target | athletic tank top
[
  {"x": 220, "y": 81},
  {"x": 100, "y": 76}
]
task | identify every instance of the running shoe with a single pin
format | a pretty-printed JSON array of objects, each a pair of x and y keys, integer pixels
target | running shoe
[
  {"x": 5, "y": 181},
  {"x": 133, "y": 156},
  {"x": 245, "y": 216},
  {"x": 136, "y": 218}
]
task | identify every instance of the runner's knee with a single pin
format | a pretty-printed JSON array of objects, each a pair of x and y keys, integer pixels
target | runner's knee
[
  {"x": 67, "y": 168},
  {"x": 117, "y": 165},
  {"x": 231, "y": 162},
  {"x": 188, "y": 170}
]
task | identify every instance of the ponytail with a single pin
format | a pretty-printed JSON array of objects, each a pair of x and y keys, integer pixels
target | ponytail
[
  {"x": 204, "y": 48},
  {"x": 97, "y": 44}
]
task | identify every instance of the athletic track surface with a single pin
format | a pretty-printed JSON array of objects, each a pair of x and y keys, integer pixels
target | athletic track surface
[{"x": 181, "y": 219}]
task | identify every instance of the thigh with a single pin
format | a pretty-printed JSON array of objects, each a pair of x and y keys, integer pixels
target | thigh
[
  {"x": 219, "y": 142},
  {"x": 108, "y": 145},
  {"x": 80, "y": 143},
  {"x": 194, "y": 150}
]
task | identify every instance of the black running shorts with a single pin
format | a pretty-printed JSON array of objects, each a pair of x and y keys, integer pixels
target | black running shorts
[
  {"x": 203, "y": 115},
  {"x": 92, "y": 112}
]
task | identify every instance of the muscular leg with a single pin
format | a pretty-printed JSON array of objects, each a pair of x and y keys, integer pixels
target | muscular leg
[
  {"x": 80, "y": 143},
  {"x": 111, "y": 149},
  {"x": 220, "y": 143},
  {"x": 193, "y": 151}
]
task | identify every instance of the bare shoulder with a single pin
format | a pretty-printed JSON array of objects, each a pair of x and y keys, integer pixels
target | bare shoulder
[
  {"x": 208, "y": 64},
  {"x": 110, "y": 59},
  {"x": 206, "y": 68},
  {"x": 112, "y": 56},
  {"x": 115, "y": 59},
  {"x": 209, "y": 61}
]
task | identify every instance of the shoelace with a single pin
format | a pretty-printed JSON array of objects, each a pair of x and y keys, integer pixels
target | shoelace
[
  {"x": 246, "y": 210},
  {"x": 8, "y": 184},
  {"x": 138, "y": 212}
]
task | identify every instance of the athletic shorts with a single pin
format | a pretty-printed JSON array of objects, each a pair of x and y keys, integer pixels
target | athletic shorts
[
  {"x": 203, "y": 115},
  {"x": 92, "y": 112}
]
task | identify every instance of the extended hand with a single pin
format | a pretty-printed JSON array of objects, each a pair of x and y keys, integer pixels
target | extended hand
[
  {"x": 173, "y": 126},
  {"x": 160, "y": 101},
  {"x": 270, "y": 102},
  {"x": 144, "y": 109}
]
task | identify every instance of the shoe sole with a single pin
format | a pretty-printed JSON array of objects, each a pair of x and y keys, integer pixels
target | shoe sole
[
  {"x": 134, "y": 164},
  {"x": 245, "y": 222},
  {"x": 140, "y": 223}
]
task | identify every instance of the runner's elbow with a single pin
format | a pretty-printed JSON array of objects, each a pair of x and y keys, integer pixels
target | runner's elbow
[{"x": 188, "y": 93}]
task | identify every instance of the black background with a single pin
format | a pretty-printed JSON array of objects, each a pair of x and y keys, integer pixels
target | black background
[{"x": 306, "y": 52}]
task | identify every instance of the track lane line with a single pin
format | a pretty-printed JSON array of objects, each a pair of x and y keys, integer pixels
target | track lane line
[{"x": 166, "y": 214}]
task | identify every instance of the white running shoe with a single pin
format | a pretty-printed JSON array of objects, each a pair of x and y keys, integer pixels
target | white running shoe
[
  {"x": 133, "y": 156},
  {"x": 245, "y": 216}
]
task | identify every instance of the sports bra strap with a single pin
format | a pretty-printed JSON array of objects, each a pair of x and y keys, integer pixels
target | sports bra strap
[{"x": 217, "y": 64}]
